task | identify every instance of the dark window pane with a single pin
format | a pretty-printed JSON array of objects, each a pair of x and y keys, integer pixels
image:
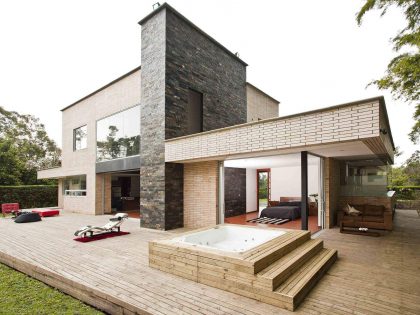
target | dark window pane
[{"x": 195, "y": 112}]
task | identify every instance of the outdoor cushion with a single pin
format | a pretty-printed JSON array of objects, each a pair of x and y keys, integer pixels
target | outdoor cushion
[
  {"x": 9, "y": 207},
  {"x": 47, "y": 212},
  {"x": 371, "y": 218},
  {"x": 28, "y": 217},
  {"x": 372, "y": 210}
]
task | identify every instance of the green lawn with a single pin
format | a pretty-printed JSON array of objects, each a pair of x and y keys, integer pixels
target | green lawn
[
  {"x": 21, "y": 294},
  {"x": 263, "y": 201}
]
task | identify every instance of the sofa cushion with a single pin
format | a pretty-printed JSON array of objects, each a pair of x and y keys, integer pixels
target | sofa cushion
[
  {"x": 361, "y": 208},
  {"x": 373, "y": 218},
  {"x": 353, "y": 211},
  {"x": 352, "y": 219},
  {"x": 372, "y": 210}
]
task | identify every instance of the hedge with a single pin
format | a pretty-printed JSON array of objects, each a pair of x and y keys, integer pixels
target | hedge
[
  {"x": 30, "y": 196},
  {"x": 406, "y": 192}
]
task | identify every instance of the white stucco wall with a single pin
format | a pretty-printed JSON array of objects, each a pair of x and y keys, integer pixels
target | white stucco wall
[{"x": 285, "y": 182}]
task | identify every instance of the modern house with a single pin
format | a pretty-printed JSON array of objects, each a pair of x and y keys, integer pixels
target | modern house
[{"x": 186, "y": 141}]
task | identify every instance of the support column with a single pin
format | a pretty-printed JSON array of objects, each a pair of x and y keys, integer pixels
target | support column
[
  {"x": 221, "y": 192},
  {"x": 304, "y": 190}
]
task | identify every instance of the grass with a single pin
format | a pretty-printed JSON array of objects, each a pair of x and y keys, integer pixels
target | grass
[
  {"x": 21, "y": 294},
  {"x": 263, "y": 201}
]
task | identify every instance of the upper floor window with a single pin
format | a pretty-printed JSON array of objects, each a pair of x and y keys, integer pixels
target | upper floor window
[
  {"x": 118, "y": 136},
  {"x": 80, "y": 138},
  {"x": 195, "y": 112}
]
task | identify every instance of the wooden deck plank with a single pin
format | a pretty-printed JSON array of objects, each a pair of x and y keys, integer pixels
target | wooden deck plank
[{"x": 372, "y": 276}]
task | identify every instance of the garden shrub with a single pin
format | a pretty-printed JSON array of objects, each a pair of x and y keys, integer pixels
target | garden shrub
[
  {"x": 406, "y": 192},
  {"x": 30, "y": 196}
]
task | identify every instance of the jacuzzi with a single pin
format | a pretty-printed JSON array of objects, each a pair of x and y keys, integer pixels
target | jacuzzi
[{"x": 230, "y": 238}]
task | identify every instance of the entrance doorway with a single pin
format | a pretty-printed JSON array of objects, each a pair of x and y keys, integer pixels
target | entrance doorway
[
  {"x": 125, "y": 193},
  {"x": 263, "y": 188}
]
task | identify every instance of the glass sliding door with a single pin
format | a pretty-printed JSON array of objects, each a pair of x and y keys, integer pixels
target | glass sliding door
[{"x": 263, "y": 188}]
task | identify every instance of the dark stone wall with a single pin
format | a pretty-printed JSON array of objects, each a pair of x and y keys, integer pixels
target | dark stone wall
[
  {"x": 152, "y": 117},
  {"x": 177, "y": 57},
  {"x": 195, "y": 62},
  {"x": 174, "y": 196},
  {"x": 235, "y": 191}
]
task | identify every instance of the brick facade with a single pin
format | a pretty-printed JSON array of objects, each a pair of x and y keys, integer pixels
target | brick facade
[
  {"x": 176, "y": 57},
  {"x": 194, "y": 61},
  {"x": 103, "y": 194},
  {"x": 200, "y": 194},
  {"x": 332, "y": 190},
  {"x": 332, "y": 125},
  {"x": 260, "y": 105}
]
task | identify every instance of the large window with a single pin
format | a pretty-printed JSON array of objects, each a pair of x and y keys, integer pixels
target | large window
[
  {"x": 74, "y": 186},
  {"x": 363, "y": 178},
  {"x": 80, "y": 138},
  {"x": 118, "y": 136}
]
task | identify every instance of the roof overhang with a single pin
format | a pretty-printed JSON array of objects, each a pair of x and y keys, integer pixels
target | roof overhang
[{"x": 353, "y": 129}]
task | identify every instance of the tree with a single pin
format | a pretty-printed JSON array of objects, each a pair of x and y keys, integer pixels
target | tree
[
  {"x": 412, "y": 169},
  {"x": 407, "y": 174},
  {"x": 11, "y": 168},
  {"x": 402, "y": 76},
  {"x": 26, "y": 146}
]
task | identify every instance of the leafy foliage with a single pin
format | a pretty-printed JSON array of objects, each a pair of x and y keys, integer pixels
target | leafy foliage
[
  {"x": 402, "y": 77},
  {"x": 24, "y": 148},
  {"x": 408, "y": 174},
  {"x": 30, "y": 196}
]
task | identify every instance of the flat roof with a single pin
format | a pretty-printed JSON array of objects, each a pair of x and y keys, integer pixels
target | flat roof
[
  {"x": 379, "y": 99},
  {"x": 103, "y": 88},
  {"x": 261, "y": 91},
  {"x": 167, "y": 6}
]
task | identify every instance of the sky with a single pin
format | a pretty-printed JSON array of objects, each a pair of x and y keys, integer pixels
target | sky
[{"x": 307, "y": 54}]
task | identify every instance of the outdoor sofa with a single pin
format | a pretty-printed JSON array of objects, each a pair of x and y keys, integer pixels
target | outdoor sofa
[{"x": 371, "y": 217}]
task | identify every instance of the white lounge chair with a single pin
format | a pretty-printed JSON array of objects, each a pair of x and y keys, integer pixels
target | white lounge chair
[{"x": 113, "y": 224}]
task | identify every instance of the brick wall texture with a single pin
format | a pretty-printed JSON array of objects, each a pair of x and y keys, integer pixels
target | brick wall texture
[
  {"x": 177, "y": 57},
  {"x": 260, "y": 105},
  {"x": 332, "y": 190},
  {"x": 235, "y": 191},
  {"x": 200, "y": 194},
  {"x": 328, "y": 126},
  {"x": 195, "y": 62}
]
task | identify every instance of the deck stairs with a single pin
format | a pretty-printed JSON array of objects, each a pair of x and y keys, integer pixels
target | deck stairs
[{"x": 280, "y": 273}]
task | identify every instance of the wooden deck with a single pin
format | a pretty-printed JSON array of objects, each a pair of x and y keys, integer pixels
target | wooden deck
[{"x": 373, "y": 275}]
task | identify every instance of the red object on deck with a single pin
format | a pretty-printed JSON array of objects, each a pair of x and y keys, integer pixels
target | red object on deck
[
  {"x": 99, "y": 236},
  {"x": 9, "y": 207},
  {"x": 47, "y": 212}
]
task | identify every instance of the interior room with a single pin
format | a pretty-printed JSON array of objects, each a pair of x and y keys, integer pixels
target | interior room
[
  {"x": 125, "y": 193},
  {"x": 266, "y": 191}
]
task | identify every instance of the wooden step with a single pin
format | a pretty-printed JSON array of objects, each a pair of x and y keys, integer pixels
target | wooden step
[
  {"x": 272, "y": 276},
  {"x": 298, "y": 285},
  {"x": 272, "y": 251}
]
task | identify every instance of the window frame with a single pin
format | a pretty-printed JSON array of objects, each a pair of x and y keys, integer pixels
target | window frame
[{"x": 74, "y": 138}]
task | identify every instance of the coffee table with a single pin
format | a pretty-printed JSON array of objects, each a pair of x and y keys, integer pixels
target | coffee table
[{"x": 357, "y": 230}]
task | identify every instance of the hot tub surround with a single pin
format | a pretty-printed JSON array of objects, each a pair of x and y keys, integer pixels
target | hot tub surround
[{"x": 280, "y": 271}]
